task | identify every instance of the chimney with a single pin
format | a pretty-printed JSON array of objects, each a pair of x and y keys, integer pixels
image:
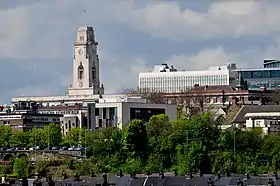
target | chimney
[
  {"x": 120, "y": 173},
  {"x": 24, "y": 182},
  {"x": 64, "y": 176},
  {"x": 161, "y": 174},
  {"x": 247, "y": 176},
  {"x": 148, "y": 173},
  {"x": 190, "y": 176},
  {"x": 219, "y": 175},
  {"x": 276, "y": 175},
  {"x": 206, "y": 87},
  {"x": 239, "y": 182},
  {"x": 175, "y": 172},
  {"x": 210, "y": 182},
  {"x": 77, "y": 177},
  {"x": 227, "y": 174},
  {"x": 200, "y": 174},
  {"x": 104, "y": 178},
  {"x": 133, "y": 175},
  {"x": 270, "y": 182},
  {"x": 36, "y": 176},
  {"x": 92, "y": 174}
]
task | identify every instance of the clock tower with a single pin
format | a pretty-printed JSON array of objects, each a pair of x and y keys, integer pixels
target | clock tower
[{"x": 85, "y": 64}]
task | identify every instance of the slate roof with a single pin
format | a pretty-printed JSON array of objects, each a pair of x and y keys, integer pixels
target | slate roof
[
  {"x": 227, "y": 181},
  {"x": 240, "y": 116},
  {"x": 168, "y": 180}
]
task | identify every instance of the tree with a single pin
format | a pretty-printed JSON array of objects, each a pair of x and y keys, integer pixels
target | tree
[
  {"x": 19, "y": 139},
  {"x": 52, "y": 134},
  {"x": 6, "y": 133},
  {"x": 137, "y": 140},
  {"x": 37, "y": 137},
  {"x": 21, "y": 168},
  {"x": 75, "y": 137}
]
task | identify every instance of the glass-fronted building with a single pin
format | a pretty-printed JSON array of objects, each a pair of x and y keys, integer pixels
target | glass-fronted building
[
  {"x": 268, "y": 78},
  {"x": 271, "y": 63}
]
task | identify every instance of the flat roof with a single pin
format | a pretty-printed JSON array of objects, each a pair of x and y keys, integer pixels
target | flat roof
[
  {"x": 256, "y": 69},
  {"x": 263, "y": 114}
]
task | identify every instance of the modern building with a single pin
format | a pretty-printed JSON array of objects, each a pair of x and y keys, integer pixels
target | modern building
[
  {"x": 166, "y": 79},
  {"x": 107, "y": 113},
  {"x": 259, "y": 78},
  {"x": 271, "y": 63}
]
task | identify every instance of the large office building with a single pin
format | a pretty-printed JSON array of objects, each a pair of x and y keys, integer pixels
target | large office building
[
  {"x": 267, "y": 77},
  {"x": 85, "y": 104},
  {"x": 166, "y": 79}
]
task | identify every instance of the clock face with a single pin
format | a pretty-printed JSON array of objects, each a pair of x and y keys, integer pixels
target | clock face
[{"x": 80, "y": 51}]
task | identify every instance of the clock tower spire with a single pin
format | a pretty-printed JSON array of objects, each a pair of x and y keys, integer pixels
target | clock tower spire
[{"x": 85, "y": 64}]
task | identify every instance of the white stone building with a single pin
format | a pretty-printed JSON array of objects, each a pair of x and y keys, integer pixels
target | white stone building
[{"x": 166, "y": 79}]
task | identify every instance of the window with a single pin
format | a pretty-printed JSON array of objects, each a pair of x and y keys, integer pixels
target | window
[
  {"x": 275, "y": 73},
  {"x": 80, "y": 71},
  {"x": 82, "y": 38}
]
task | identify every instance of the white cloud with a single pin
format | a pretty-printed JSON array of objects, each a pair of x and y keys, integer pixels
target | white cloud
[
  {"x": 223, "y": 18},
  {"x": 46, "y": 31}
]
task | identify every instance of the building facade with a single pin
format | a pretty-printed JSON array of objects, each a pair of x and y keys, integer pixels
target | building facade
[
  {"x": 165, "y": 79},
  {"x": 24, "y": 120},
  {"x": 268, "y": 121},
  {"x": 268, "y": 78}
]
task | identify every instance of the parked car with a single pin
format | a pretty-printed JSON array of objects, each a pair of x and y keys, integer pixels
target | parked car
[
  {"x": 71, "y": 148},
  {"x": 48, "y": 148},
  {"x": 55, "y": 148},
  {"x": 64, "y": 148}
]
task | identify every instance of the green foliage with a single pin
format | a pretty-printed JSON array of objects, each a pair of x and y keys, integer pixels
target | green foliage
[
  {"x": 42, "y": 167},
  {"x": 21, "y": 168},
  {"x": 136, "y": 140},
  {"x": 187, "y": 145}
]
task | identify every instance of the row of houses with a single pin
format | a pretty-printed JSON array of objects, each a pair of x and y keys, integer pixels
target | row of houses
[{"x": 151, "y": 180}]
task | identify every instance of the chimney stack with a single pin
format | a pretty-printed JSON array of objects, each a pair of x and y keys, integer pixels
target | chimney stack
[
  {"x": 133, "y": 175},
  {"x": 276, "y": 175},
  {"x": 190, "y": 176},
  {"x": 239, "y": 182},
  {"x": 247, "y": 176},
  {"x": 175, "y": 172},
  {"x": 120, "y": 173},
  {"x": 161, "y": 174},
  {"x": 64, "y": 176},
  {"x": 77, "y": 177},
  {"x": 210, "y": 182},
  {"x": 105, "y": 179},
  {"x": 92, "y": 174},
  {"x": 219, "y": 175},
  {"x": 270, "y": 182}
]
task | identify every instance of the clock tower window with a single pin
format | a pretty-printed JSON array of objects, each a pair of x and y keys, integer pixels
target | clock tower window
[{"x": 80, "y": 71}]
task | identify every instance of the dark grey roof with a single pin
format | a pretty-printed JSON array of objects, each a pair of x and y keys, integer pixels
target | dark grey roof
[
  {"x": 227, "y": 181},
  {"x": 139, "y": 181},
  {"x": 240, "y": 116},
  {"x": 256, "y": 181}
]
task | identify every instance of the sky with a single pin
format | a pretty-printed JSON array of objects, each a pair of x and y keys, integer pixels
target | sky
[{"x": 36, "y": 39}]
